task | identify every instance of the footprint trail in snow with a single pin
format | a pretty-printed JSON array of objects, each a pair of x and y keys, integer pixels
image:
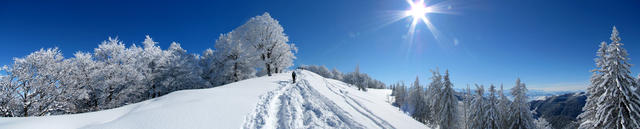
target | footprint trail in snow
[{"x": 298, "y": 106}]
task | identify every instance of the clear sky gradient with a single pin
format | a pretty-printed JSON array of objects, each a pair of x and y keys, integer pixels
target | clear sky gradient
[{"x": 549, "y": 44}]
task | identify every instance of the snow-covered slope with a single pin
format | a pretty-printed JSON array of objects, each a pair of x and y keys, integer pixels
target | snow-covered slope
[{"x": 265, "y": 102}]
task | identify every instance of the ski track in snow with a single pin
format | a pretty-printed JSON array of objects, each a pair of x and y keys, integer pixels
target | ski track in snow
[
  {"x": 298, "y": 106},
  {"x": 358, "y": 106}
]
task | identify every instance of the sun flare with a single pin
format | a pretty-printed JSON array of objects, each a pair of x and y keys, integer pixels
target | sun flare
[{"x": 418, "y": 10}]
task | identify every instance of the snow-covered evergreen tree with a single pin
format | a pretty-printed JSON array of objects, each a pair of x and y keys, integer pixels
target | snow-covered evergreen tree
[
  {"x": 492, "y": 112},
  {"x": 417, "y": 102},
  {"x": 467, "y": 108},
  {"x": 503, "y": 108},
  {"x": 521, "y": 117},
  {"x": 478, "y": 110},
  {"x": 638, "y": 79},
  {"x": 595, "y": 90},
  {"x": 542, "y": 123},
  {"x": 400, "y": 95},
  {"x": 618, "y": 106},
  {"x": 433, "y": 97},
  {"x": 449, "y": 104}
]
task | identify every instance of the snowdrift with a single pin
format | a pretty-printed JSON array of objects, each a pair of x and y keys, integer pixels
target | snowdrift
[{"x": 264, "y": 102}]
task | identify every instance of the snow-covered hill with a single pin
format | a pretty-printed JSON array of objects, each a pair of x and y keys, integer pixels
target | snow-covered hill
[{"x": 264, "y": 102}]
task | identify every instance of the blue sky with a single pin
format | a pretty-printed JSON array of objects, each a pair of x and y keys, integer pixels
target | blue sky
[{"x": 548, "y": 44}]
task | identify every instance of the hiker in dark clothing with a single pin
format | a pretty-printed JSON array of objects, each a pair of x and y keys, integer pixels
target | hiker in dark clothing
[{"x": 293, "y": 74}]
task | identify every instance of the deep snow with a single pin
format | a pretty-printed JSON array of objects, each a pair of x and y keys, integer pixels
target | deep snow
[{"x": 264, "y": 102}]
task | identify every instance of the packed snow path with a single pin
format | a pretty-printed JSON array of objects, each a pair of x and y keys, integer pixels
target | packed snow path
[
  {"x": 298, "y": 106},
  {"x": 316, "y": 102},
  {"x": 264, "y": 102}
]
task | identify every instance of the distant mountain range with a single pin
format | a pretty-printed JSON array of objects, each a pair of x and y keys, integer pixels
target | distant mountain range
[
  {"x": 560, "y": 110},
  {"x": 532, "y": 93}
]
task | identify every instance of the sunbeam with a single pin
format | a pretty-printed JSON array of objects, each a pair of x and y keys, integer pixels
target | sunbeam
[{"x": 418, "y": 13}]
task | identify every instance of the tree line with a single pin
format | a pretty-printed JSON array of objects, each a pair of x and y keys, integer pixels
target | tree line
[
  {"x": 46, "y": 83},
  {"x": 438, "y": 105}
]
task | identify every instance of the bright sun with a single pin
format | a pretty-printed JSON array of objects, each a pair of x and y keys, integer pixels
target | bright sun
[
  {"x": 418, "y": 13},
  {"x": 418, "y": 10}
]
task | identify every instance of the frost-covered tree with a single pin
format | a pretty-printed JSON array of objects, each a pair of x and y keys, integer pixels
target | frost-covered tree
[
  {"x": 44, "y": 83},
  {"x": 542, "y": 123},
  {"x": 358, "y": 79},
  {"x": 320, "y": 70},
  {"x": 449, "y": 103},
  {"x": 492, "y": 112},
  {"x": 235, "y": 60},
  {"x": 7, "y": 93},
  {"x": 37, "y": 82},
  {"x": 120, "y": 74},
  {"x": 283, "y": 57},
  {"x": 81, "y": 89},
  {"x": 478, "y": 110},
  {"x": 267, "y": 37},
  {"x": 336, "y": 74},
  {"x": 371, "y": 83},
  {"x": 152, "y": 61},
  {"x": 618, "y": 104},
  {"x": 208, "y": 65},
  {"x": 521, "y": 117},
  {"x": 181, "y": 71}
]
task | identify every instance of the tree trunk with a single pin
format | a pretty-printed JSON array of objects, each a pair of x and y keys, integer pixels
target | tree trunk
[
  {"x": 268, "y": 68},
  {"x": 25, "y": 109},
  {"x": 109, "y": 97},
  {"x": 235, "y": 72}
]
